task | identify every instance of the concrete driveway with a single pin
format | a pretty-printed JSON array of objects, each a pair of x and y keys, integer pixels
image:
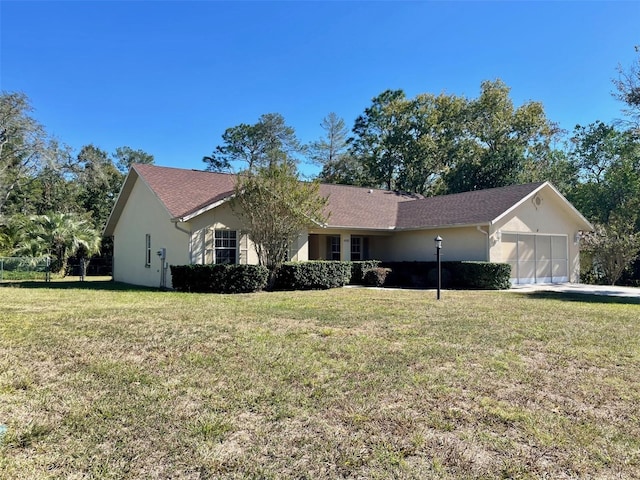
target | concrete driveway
[{"x": 605, "y": 290}]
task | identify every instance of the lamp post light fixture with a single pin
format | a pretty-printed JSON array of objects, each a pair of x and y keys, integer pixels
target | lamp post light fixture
[{"x": 438, "y": 242}]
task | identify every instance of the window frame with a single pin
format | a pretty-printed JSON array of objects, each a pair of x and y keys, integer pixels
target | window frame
[
  {"x": 335, "y": 241},
  {"x": 359, "y": 242},
  {"x": 226, "y": 242}
]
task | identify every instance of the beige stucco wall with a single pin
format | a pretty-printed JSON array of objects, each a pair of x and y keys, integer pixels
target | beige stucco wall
[
  {"x": 551, "y": 216},
  {"x": 143, "y": 214},
  {"x": 458, "y": 243},
  {"x": 223, "y": 217}
]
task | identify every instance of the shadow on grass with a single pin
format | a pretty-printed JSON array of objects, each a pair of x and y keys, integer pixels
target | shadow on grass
[
  {"x": 582, "y": 297},
  {"x": 105, "y": 285}
]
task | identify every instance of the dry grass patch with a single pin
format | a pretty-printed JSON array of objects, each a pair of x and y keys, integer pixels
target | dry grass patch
[{"x": 348, "y": 383}]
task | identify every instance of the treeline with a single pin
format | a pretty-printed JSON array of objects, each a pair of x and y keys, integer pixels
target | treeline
[{"x": 54, "y": 203}]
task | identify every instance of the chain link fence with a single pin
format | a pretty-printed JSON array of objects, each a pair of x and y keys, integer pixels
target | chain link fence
[{"x": 24, "y": 268}]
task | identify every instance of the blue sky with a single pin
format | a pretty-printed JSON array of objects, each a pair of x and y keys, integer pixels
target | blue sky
[{"x": 169, "y": 77}]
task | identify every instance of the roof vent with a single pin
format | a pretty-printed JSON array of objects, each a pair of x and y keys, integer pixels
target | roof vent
[
  {"x": 370, "y": 191},
  {"x": 537, "y": 201}
]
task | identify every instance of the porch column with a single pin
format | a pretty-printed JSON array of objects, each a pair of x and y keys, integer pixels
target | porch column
[{"x": 345, "y": 247}]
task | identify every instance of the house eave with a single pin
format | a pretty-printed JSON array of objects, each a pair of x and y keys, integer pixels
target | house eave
[
  {"x": 200, "y": 211},
  {"x": 356, "y": 227},
  {"x": 448, "y": 225}
]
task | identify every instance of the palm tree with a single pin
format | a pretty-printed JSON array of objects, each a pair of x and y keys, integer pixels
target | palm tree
[{"x": 57, "y": 236}]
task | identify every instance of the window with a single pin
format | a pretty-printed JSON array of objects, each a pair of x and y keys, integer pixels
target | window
[
  {"x": 334, "y": 247},
  {"x": 226, "y": 246},
  {"x": 147, "y": 253},
  {"x": 356, "y": 248}
]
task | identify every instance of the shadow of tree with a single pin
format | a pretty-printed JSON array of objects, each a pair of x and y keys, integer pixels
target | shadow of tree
[
  {"x": 603, "y": 297},
  {"x": 106, "y": 285}
]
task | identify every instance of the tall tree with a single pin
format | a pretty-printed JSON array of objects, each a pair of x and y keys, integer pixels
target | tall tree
[
  {"x": 628, "y": 90},
  {"x": 380, "y": 138},
  {"x": 333, "y": 144},
  {"x": 503, "y": 138},
  {"x": 99, "y": 181},
  {"x": 275, "y": 208},
  {"x": 331, "y": 152},
  {"x": 436, "y": 139},
  {"x": 448, "y": 144},
  {"x": 51, "y": 187},
  {"x": 556, "y": 166},
  {"x": 609, "y": 171},
  {"x": 268, "y": 142},
  {"x": 24, "y": 145},
  {"x": 127, "y": 156}
]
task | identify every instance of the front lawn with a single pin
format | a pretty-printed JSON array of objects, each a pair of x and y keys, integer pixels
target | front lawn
[{"x": 344, "y": 383}]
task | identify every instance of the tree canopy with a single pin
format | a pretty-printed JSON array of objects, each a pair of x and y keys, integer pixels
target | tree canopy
[{"x": 268, "y": 142}]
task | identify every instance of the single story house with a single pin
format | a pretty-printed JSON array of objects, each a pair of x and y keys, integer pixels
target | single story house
[{"x": 176, "y": 216}]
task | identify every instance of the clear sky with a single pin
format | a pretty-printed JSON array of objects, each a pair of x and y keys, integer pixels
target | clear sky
[{"x": 169, "y": 77}]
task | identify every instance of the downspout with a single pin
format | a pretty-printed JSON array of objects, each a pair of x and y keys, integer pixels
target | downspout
[
  {"x": 188, "y": 232},
  {"x": 185, "y": 231},
  {"x": 488, "y": 246}
]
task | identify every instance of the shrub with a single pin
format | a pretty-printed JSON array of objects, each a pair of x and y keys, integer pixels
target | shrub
[
  {"x": 313, "y": 275},
  {"x": 482, "y": 275},
  {"x": 219, "y": 278},
  {"x": 375, "y": 277},
  {"x": 358, "y": 269},
  {"x": 463, "y": 275}
]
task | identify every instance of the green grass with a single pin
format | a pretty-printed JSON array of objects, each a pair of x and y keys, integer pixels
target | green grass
[{"x": 105, "y": 381}]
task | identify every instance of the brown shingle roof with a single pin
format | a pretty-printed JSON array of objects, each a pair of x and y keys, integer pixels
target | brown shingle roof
[
  {"x": 469, "y": 208},
  {"x": 184, "y": 192},
  {"x": 362, "y": 207}
]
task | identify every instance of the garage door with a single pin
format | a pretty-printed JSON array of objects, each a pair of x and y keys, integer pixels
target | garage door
[{"x": 536, "y": 258}]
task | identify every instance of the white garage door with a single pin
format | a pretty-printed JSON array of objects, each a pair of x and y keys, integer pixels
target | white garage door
[{"x": 536, "y": 258}]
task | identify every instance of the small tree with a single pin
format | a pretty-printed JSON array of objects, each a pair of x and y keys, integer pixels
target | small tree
[
  {"x": 275, "y": 208},
  {"x": 57, "y": 236},
  {"x": 610, "y": 250}
]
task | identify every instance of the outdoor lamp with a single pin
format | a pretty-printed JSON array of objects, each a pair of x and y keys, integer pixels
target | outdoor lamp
[{"x": 438, "y": 242}]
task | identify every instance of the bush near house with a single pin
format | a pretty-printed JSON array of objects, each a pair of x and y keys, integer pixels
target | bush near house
[
  {"x": 323, "y": 274},
  {"x": 219, "y": 278},
  {"x": 375, "y": 277},
  {"x": 359, "y": 268},
  {"x": 462, "y": 275},
  {"x": 313, "y": 275}
]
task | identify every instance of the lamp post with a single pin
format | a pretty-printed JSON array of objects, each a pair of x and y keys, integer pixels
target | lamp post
[{"x": 438, "y": 242}]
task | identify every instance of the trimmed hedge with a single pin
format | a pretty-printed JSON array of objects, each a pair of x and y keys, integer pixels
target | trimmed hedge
[
  {"x": 462, "y": 275},
  {"x": 219, "y": 278},
  {"x": 321, "y": 274},
  {"x": 312, "y": 275},
  {"x": 482, "y": 275}
]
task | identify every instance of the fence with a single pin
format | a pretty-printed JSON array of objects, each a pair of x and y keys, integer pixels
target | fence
[{"x": 24, "y": 268}]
